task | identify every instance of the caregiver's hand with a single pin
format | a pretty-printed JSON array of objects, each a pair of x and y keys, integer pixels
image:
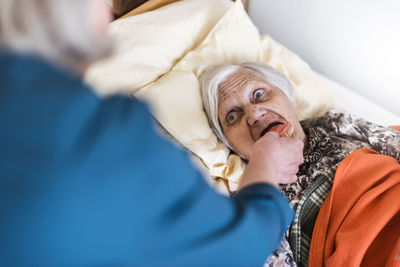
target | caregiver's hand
[{"x": 274, "y": 160}]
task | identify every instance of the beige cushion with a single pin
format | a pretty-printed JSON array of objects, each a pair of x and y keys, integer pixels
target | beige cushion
[
  {"x": 175, "y": 97},
  {"x": 148, "y": 45}
]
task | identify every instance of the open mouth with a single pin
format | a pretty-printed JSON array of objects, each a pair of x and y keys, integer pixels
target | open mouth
[
  {"x": 282, "y": 129},
  {"x": 272, "y": 125}
]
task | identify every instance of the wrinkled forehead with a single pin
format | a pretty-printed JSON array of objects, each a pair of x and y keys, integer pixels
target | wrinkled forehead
[{"x": 238, "y": 80}]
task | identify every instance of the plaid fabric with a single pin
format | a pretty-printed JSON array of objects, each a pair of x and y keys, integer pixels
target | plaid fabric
[{"x": 306, "y": 214}]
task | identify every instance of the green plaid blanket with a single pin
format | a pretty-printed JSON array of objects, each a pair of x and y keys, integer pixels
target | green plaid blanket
[{"x": 306, "y": 214}]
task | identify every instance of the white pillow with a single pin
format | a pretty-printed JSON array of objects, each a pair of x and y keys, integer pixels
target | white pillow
[
  {"x": 148, "y": 45},
  {"x": 175, "y": 97}
]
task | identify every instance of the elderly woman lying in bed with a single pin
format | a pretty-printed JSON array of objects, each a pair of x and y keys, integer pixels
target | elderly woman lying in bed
[{"x": 244, "y": 102}]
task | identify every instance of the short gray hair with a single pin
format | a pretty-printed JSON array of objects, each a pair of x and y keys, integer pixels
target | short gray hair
[
  {"x": 58, "y": 30},
  {"x": 211, "y": 80}
]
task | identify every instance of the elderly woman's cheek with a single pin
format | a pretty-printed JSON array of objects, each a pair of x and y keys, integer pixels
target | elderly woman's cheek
[{"x": 239, "y": 142}]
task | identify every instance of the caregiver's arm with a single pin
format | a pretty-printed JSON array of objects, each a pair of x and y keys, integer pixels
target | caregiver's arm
[
  {"x": 103, "y": 189},
  {"x": 184, "y": 222}
]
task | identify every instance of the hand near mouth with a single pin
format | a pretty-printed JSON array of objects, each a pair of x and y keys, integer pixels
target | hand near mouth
[{"x": 274, "y": 160}]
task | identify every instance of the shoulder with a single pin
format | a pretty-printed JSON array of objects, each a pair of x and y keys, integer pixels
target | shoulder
[
  {"x": 335, "y": 121},
  {"x": 342, "y": 123}
]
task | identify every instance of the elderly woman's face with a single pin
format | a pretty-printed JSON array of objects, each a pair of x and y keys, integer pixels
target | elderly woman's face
[{"x": 249, "y": 107}]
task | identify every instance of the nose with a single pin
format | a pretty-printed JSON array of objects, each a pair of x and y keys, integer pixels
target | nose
[{"x": 254, "y": 114}]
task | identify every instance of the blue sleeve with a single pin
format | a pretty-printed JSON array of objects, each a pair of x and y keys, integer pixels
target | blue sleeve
[{"x": 120, "y": 195}]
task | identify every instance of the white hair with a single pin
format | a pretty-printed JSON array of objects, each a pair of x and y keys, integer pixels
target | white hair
[
  {"x": 58, "y": 30},
  {"x": 211, "y": 80}
]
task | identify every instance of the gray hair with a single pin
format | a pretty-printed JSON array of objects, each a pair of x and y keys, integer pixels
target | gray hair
[
  {"x": 58, "y": 30},
  {"x": 211, "y": 80}
]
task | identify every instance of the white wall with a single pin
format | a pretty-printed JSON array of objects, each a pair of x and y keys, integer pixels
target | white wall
[{"x": 354, "y": 42}]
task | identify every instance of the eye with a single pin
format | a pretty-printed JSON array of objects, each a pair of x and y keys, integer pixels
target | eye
[
  {"x": 232, "y": 117},
  {"x": 258, "y": 94}
]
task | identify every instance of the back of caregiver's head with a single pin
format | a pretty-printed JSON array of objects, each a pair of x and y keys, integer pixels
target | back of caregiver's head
[{"x": 69, "y": 33}]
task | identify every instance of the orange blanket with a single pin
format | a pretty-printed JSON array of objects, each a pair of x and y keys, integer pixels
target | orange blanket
[{"x": 359, "y": 222}]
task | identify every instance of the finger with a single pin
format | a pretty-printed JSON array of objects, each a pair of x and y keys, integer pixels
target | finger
[
  {"x": 270, "y": 135},
  {"x": 289, "y": 178}
]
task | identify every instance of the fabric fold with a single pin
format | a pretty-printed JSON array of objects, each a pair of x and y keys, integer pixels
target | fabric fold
[{"x": 359, "y": 222}]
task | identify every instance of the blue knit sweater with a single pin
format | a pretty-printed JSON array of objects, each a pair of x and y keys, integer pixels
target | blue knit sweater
[{"x": 86, "y": 181}]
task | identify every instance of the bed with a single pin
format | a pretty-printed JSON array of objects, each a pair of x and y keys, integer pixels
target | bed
[
  {"x": 365, "y": 107},
  {"x": 163, "y": 46}
]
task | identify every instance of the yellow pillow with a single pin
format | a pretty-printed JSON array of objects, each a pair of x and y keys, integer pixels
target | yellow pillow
[
  {"x": 175, "y": 97},
  {"x": 148, "y": 45}
]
